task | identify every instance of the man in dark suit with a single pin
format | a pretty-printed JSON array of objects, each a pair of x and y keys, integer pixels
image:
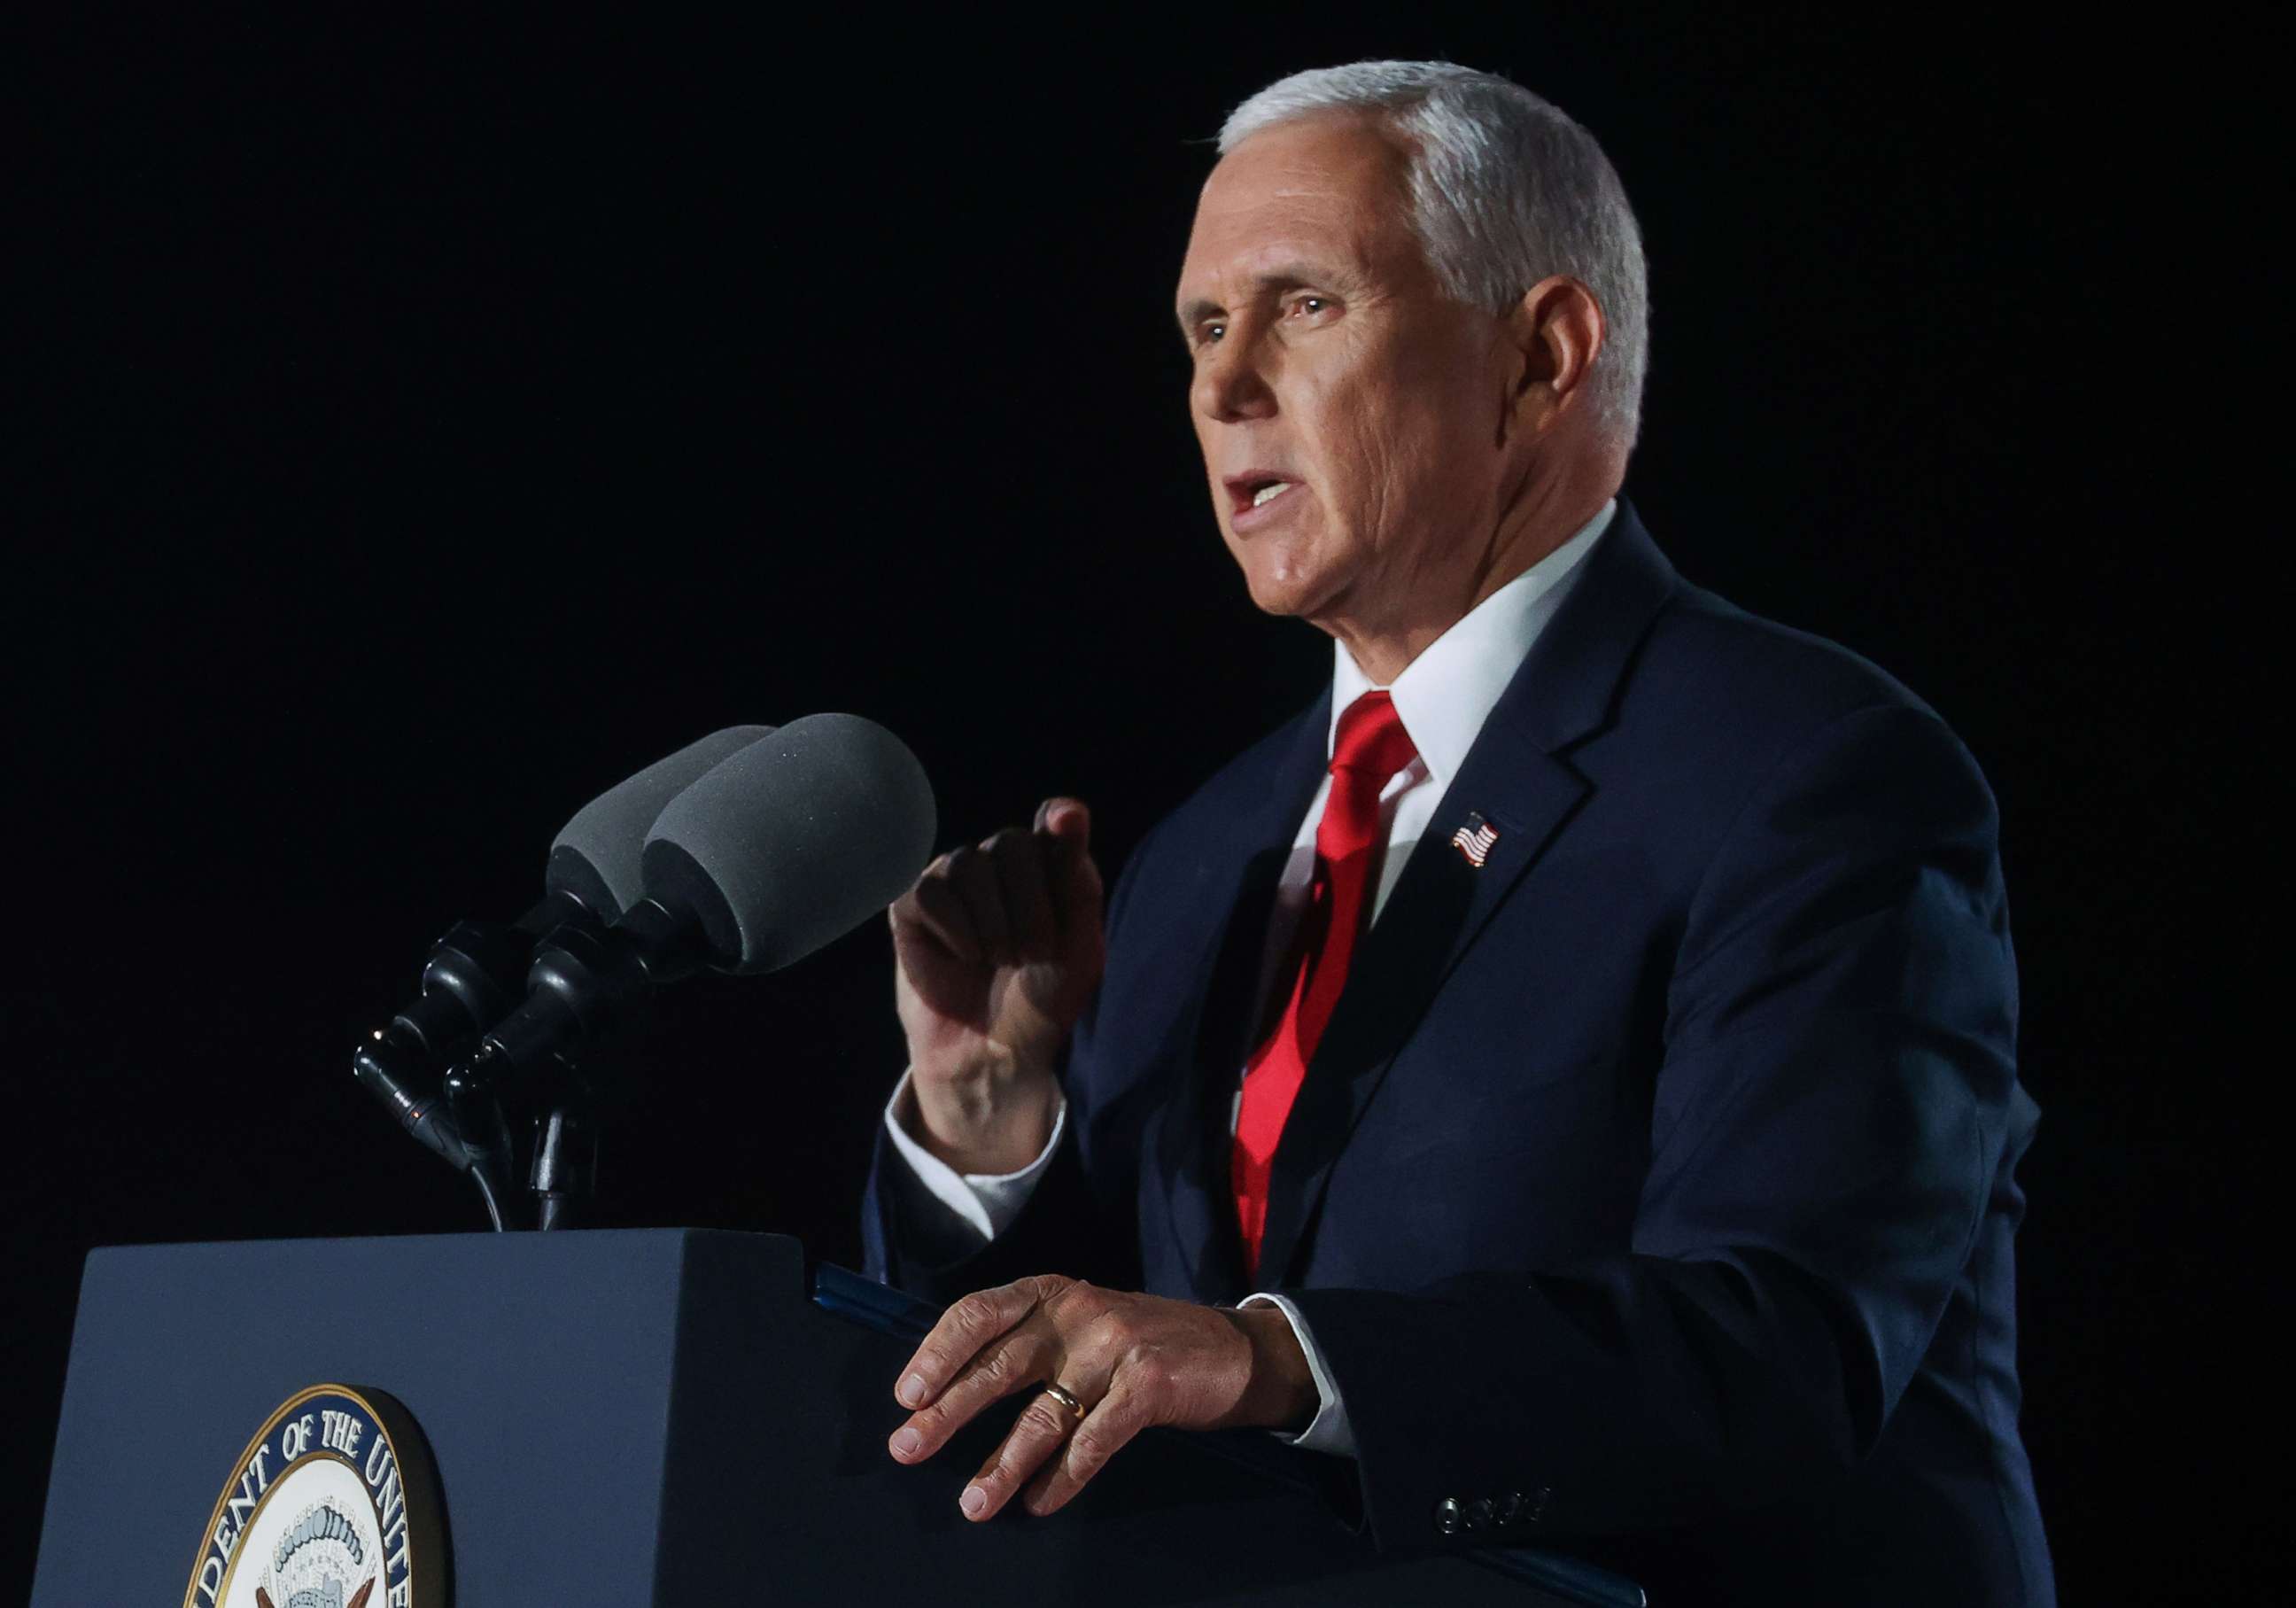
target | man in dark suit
[{"x": 1569, "y": 1070}]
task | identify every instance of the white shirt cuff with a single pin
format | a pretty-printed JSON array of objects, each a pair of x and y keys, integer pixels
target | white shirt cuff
[
  {"x": 1328, "y": 1430},
  {"x": 986, "y": 1202}
]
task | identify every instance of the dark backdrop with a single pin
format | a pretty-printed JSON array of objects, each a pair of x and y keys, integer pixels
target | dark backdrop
[{"x": 424, "y": 425}]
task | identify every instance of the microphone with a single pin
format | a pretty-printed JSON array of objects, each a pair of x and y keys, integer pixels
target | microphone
[
  {"x": 793, "y": 842},
  {"x": 595, "y": 855},
  {"x": 474, "y": 977}
]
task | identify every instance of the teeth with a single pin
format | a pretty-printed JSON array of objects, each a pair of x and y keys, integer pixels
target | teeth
[{"x": 1268, "y": 494}]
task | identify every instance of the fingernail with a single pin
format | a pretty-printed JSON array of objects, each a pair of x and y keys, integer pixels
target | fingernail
[
  {"x": 906, "y": 1443},
  {"x": 974, "y": 1500},
  {"x": 913, "y": 1391}
]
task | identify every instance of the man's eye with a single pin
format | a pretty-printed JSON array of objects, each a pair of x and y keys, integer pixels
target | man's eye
[
  {"x": 1311, "y": 305},
  {"x": 1214, "y": 331}
]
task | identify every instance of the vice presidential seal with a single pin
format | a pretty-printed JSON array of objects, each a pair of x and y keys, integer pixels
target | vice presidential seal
[{"x": 333, "y": 1504}]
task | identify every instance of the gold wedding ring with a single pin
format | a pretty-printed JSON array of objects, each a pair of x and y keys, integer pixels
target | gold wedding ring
[{"x": 1065, "y": 1399}]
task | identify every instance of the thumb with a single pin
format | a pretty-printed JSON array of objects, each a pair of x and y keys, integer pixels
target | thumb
[
  {"x": 1075, "y": 878},
  {"x": 1066, "y": 819}
]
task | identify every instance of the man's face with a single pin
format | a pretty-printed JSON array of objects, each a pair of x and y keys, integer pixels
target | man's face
[{"x": 1329, "y": 365}]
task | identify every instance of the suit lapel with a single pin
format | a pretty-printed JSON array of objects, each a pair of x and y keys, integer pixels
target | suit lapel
[
  {"x": 1238, "y": 899},
  {"x": 1517, "y": 779}
]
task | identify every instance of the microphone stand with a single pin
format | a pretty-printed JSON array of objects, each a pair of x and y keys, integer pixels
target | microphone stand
[
  {"x": 473, "y": 978},
  {"x": 564, "y": 1177},
  {"x": 470, "y": 1099},
  {"x": 467, "y": 983},
  {"x": 562, "y": 1171}
]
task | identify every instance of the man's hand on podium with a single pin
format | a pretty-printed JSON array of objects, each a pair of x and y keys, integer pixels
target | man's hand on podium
[
  {"x": 1130, "y": 1360},
  {"x": 997, "y": 949}
]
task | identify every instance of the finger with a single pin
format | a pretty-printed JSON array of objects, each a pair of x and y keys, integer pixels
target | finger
[
  {"x": 1021, "y": 1361},
  {"x": 1066, "y": 819},
  {"x": 974, "y": 879},
  {"x": 1019, "y": 859},
  {"x": 961, "y": 1334},
  {"x": 1035, "y": 1438},
  {"x": 1074, "y": 880},
  {"x": 1105, "y": 1432},
  {"x": 934, "y": 908}
]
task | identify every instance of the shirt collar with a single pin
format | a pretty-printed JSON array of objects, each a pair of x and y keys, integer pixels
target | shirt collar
[{"x": 1444, "y": 696}]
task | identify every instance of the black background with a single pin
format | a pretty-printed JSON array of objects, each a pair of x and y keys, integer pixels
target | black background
[{"x": 424, "y": 424}]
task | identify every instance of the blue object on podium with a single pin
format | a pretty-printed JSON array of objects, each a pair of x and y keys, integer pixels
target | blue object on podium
[{"x": 625, "y": 1418}]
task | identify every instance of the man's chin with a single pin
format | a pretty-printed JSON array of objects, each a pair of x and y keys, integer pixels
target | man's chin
[
  {"x": 1288, "y": 601},
  {"x": 1293, "y": 595}
]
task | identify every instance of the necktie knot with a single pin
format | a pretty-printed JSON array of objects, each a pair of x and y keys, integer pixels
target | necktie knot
[{"x": 1371, "y": 739}]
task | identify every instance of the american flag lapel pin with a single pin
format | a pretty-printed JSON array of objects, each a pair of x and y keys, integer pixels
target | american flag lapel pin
[{"x": 1474, "y": 840}]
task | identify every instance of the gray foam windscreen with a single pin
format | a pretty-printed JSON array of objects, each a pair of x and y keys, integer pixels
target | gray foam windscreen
[
  {"x": 596, "y": 855},
  {"x": 805, "y": 835}
]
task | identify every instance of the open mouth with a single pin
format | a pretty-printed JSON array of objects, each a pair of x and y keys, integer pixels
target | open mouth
[{"x": 1252, "y": 492}]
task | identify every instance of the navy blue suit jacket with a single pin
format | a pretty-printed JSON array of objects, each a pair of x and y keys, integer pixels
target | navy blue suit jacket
[{"x": 1652, "y": 1190}]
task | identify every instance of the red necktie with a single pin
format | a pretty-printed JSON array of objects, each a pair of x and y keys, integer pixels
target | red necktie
[{"x": 1369, "y": 748}]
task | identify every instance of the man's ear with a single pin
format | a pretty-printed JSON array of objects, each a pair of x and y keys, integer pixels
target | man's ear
[{"x": 1556, "y": 330}]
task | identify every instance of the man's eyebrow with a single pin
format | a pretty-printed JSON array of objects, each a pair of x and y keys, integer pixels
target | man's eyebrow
[
  {"x": 1194, "y": 312},
  {"x": 1288, "y": 276}
]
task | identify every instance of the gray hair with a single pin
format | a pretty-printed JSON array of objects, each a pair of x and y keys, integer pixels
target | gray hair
[{"x": 1505, "y": 189}]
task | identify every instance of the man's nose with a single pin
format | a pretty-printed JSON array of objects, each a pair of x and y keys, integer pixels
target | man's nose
[{"x": 1230, "y": 385}]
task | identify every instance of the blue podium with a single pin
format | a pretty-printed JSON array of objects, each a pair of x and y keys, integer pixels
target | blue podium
[{"x": 630, "y": 1417}]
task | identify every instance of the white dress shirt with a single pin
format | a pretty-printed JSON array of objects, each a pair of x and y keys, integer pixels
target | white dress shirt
[{"x": 1443, "y": 697}]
